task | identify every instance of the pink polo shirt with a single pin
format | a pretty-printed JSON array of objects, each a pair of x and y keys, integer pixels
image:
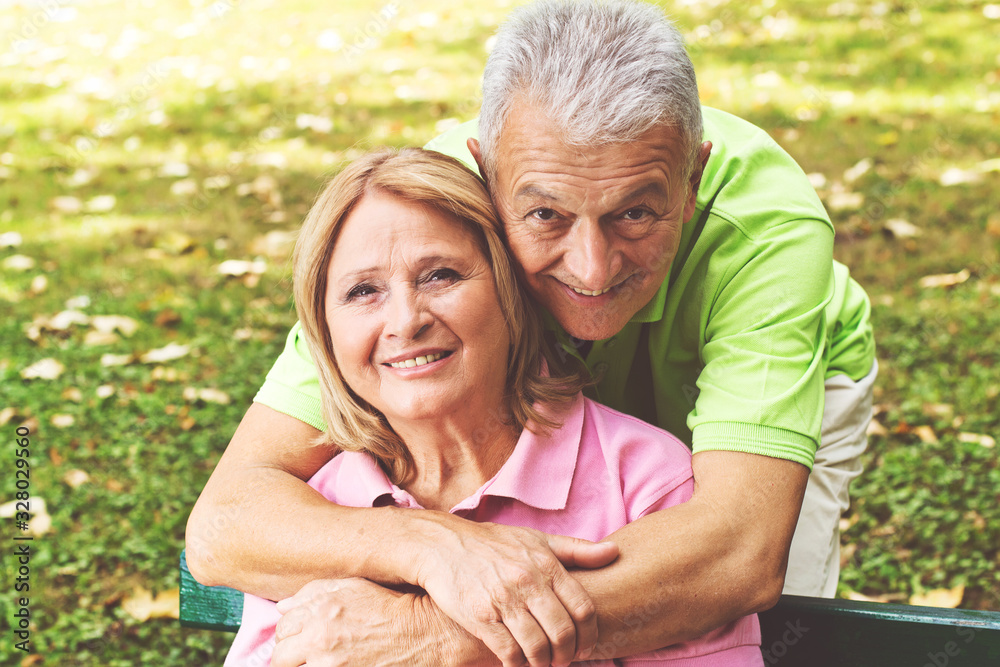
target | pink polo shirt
[{"x": 599, "y": 471}]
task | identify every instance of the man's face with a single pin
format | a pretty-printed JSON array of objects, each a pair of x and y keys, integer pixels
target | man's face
[{"x": 593, "y": 229}]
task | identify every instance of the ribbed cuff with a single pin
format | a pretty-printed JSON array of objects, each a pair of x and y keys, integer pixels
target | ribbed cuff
[
  {"x": 777, "y": 443},
  {"x": 293, "y": 403}
]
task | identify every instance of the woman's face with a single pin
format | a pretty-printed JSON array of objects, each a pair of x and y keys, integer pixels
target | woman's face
[{"x": 414, "y": 318}]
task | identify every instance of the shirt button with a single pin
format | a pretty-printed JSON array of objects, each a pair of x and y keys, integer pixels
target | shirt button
[
  {"x": 611, "y": 342},
  {"x": 601, "y": 368}
]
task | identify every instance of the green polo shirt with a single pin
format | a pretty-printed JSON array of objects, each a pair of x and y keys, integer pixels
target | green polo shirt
[{"x": 733, "y": 350}]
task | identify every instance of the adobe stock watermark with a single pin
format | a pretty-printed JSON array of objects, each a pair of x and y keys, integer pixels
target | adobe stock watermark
[
  {"x": 45, "y": 12},
  {"x": 779, "y": 648},
  {"x": 366, "y": 38}
]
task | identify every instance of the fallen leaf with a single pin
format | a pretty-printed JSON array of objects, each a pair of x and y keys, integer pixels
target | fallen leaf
[
  {"x": 982, "y": 440},
  {"x": 240, "y": 267},
  {"x": 184, "y": 188},
  {"x": 101, "y": 204},
  {"x": 109, "y": 360},
  {"x": 926, "y": 434},
  {"x": 174, "y": 170},
  {"x": 6, "y": 415},
  {"x": 858, "y": 170},
  {"x": 817, "y": 180},
  {"x": 76, "y": 478},
  {"x": 10, "y": 240},
  {"x": 40, "y": 522},
  {"x": 901, "y": 229},
  {"x": 175, "y": 243},
  {"x": 861, "y": 597},
  {"x": 207, "y": 395},
  {"x": 105, "y": 391},
  {"x": 167, "y": 318},
  {"x": 19, "y": 263},
  {"x": 956, "y": 176},
  {"x": 940, "y": 410},
  {"x": 876, "y": 428},
  {"x": 78, "y": 302},
  {"x": 109, "y": 323},
  {"x": 945, "y": 280},
  {"x": 948, "y": 598},
  {"x": 842, "y": 201},
  {"x": 45, "y": 369},
  {"x": 64, "y": 320},
  {"x": 39, "y": 284},
  {"x": 67, "y": 205},
  {"x": 54, "y": 456},
  {"x": 98, "y": 338},
  {"x": 62, "y": 420},
  {"x": 72, "y": 394},
  {"x": 168, "y": 353},
  {"x": 188, "y": 423}
]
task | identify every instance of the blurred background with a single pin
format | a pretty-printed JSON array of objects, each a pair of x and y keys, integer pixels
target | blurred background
[{"x": 156, "y": 159}]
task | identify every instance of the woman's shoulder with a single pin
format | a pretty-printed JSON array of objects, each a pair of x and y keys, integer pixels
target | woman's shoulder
[{"x": 617, "y": 426}]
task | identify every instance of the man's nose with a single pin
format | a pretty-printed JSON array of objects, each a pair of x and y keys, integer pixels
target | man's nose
[
  {"x": 407, "y": 316},
  {"x": 591, "y": 257}
]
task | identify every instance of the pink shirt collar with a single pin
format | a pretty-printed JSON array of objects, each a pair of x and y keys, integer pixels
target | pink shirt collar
[{"x": 538, "y": 473}]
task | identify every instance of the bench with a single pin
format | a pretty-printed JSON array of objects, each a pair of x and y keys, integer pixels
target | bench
[{"x": 811, "y": 632}]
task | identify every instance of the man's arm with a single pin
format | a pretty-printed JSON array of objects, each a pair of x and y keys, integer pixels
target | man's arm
[
  {"x": 694, "y": 567},
  {"x": 259, "y": 528},
  {"x": 683, "y": 571}
]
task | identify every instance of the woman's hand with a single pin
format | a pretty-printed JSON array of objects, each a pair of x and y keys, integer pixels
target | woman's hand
[
  {"x": 334, "y": 622},
  {"x": 509, "y": 586}
]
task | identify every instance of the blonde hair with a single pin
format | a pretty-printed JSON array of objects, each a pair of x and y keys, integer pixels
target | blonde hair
[{"x": 443, "y": 183}]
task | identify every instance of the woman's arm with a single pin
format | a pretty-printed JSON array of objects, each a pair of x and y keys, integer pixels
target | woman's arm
[{"x": 258, "y": 527}]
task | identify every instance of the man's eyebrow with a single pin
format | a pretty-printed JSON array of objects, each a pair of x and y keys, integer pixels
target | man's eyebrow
[{"x": 532, "y": 190}]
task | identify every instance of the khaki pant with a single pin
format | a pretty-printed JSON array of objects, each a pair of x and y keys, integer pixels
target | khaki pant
[{"x": 814, "y": 559}]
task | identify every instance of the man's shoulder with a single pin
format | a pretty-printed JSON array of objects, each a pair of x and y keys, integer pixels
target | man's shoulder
[{"x": 751, "y": 182}]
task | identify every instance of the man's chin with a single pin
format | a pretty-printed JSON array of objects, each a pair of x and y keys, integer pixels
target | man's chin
[{"x": 589, "y": 325}]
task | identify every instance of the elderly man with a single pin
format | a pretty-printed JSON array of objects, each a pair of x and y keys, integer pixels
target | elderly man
[{"x": 684, "y": 258}]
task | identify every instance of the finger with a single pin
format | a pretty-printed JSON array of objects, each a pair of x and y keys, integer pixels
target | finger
[
  {"x": 574, "y": 552},
  {"x": 559, "y": 627},
  {"x": 498, "y": 639},
  {"x": 289, "y": 653},
  {"x": 308, "y": 593},
  {"x": 530, "y": 637},
  {"x": 290, "y": 624},
  {"x": 577, "y": 602}
]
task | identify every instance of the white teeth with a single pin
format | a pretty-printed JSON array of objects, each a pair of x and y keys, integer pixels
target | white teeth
[
  {"x": 418, "y": 361},
  {"x": 587, "y": 292}
]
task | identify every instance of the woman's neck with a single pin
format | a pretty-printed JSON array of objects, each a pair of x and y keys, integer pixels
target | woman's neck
[{"x": 452, "y": 457}]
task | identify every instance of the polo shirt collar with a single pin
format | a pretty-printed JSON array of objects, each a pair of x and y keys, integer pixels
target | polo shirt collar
[{"x": 538, "y": 473}]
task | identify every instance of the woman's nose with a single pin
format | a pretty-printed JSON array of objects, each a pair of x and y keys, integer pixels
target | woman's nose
[{"x": 407, "y": 317}]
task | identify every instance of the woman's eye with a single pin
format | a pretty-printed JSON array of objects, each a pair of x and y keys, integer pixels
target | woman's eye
[
  {"x": 359, "y": 291},
  {"x": 442, "y": 275}
]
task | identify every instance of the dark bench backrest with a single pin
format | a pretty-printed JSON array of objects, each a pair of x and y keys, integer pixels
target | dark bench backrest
[{"x": 799, "y": 631}]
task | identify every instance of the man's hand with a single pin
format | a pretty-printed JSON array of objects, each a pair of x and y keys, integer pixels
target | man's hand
[
  {"x": 356, "y": 622},
  {"x": 509, "y": 587}
]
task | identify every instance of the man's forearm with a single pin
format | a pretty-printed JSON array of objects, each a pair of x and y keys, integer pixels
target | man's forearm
[
  {"x": 276, "y": 534},
  {"x": 691, "y": 568}
]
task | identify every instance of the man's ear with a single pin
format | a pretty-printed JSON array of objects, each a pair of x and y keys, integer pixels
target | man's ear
[
  {"x": 477, "y": 154},
  {"x": 695, "y": 181}
]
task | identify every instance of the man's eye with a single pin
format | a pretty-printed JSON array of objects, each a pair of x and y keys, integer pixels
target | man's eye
[
  {"x": 544, "y": 214},
  {"x": 635, "y": 214}
]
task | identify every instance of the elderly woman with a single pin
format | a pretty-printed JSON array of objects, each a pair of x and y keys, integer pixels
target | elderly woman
[{"x": 436, "y": 387}]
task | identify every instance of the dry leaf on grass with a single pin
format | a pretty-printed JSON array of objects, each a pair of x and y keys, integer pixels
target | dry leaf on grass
[
  {"x": 168, "y": 353},
  {"x": 142, "y": 606},
  {"x": 945, "y": 279},
  {"x": 948, "y": 598},
  {"x": 926, "y": 434},
  {"x": 982, "y": 440},
  {"x": 45, "y": 369}
]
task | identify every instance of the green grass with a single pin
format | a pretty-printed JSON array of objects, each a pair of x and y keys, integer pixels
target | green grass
[{"x": 98, "y": 105}]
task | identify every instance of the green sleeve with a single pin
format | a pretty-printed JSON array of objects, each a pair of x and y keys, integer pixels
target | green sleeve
[
  {"x": 762, "y": 386},
  {"x": 292, "y": 386}
]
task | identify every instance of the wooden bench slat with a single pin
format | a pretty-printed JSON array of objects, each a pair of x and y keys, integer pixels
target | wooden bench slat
[
  {"x": 208, "y": 607},
  {"x": 798, "y": 632}
]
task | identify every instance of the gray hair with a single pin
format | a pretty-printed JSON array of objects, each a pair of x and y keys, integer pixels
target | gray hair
[{"x": 604, "y": 71}]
